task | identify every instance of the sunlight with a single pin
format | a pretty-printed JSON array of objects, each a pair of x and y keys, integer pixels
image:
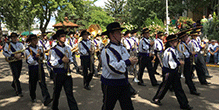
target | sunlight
[
  {"x": 142, "y": 100},
  {"x": 7, "y": 101}
]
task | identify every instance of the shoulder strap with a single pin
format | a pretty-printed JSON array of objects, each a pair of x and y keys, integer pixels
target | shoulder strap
[
  {"x": 59, "y": 53},
  {"x": 118, "y": 56},
  {"x": 129, "y": 43},
  {"x": 11, "y": 47},
  {"x": 85, "y": 46}
]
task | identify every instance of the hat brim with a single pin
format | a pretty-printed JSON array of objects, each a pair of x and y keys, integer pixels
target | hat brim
[
  {"x": 83, "y": 34},
  {"x": 107, "y": 32}
]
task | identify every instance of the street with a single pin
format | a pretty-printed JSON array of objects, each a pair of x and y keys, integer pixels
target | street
[{"x": 92, "y": 100}]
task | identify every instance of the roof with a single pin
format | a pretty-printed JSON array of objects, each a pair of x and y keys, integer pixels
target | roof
[{"x": 66, "y": 23}]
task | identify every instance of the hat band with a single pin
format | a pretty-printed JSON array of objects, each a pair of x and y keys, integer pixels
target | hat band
[
  {"x": 172, "y": 39},
  {"x": 116, "y": 28}
]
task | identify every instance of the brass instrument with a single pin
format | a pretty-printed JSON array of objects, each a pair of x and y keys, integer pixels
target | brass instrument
[
  {"x": 193, "y": 56},
  {"x": 182, "y": 57},
  {"x": 13, "y": 59},
  {"x": 93, "y": 29},
  {"x": 67, "y": 65},
  {"x": 75, "y": 49},
  {"x": 39, "y": 64}
]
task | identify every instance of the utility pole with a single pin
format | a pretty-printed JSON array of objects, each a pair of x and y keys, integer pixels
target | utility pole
[{"x": 167, "y": 18}]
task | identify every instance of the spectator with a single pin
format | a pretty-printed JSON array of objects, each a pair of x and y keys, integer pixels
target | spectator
[
  {"x": 210, "y": 18},
  {"x": 212, "y": 50},
  {"x": 204, "y": 20}
]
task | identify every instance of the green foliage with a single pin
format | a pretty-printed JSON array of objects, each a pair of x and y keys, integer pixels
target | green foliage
[
  {"x": 16, "y": 14},
  {"x": 211, "y": 28}
]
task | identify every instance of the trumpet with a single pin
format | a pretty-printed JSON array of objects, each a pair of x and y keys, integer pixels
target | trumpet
[{"x": 13, "y": 59}]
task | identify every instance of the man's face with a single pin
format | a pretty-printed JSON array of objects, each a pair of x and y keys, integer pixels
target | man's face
[
  {"x": 62, "y": 38},
  {"x": 117, "y": 34},
  {"x": 85, "y": 36},
  {"x": 213, "y": 43},
  {"x": 146, "y": 35},
  {"x": 175, "y": 42},
  {"x": 34, "y": 41},
  {"x": 14, "y": 39}
]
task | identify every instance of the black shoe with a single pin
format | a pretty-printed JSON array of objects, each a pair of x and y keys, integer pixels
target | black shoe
[
  {"x": 157, "y": 102},
  {"x": 186, "y": 108},
  {"x": 141, "y": 84},
  {"x": 157, "y": 84},
  {"x": 195, "y": 93},
  {"x": 47, "y": 102},
  {"x": 206, "y": 83},
  {"x": 19, "y": 94},
  {"x": 33, "y": 100},
  {"x": 87, "y": 87},
  {"x": 208, "y": 77},
  {"x": 157, "y": 73}
]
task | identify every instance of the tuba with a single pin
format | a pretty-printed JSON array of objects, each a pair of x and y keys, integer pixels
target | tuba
[{"x": 93, "y": 29}]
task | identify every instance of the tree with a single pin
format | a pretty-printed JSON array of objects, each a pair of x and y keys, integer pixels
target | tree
[
  {"x": 45, "y": 9},
  {"x": 14, "y": 13},
  {"x": 116, "y": 9}
]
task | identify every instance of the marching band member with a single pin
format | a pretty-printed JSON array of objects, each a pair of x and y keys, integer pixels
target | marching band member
[
  {"x": 46, "y": 47},
  {"x": 199, "y": 60},
  {"x": 85, "y": 49},
  {"x": 201, "y": 46},
  {"x": 171, "y": 76},
  {"x": 72, "y": 44},
  {"x": 34, "y": 55},
  {"x": 145, "y": 46},
  {"x": 9, "y": 51},
  {"x": 185, "y": 53},
  {"x": 59, "y": 59},
  {"x": 128, "y": 43},
  {"x": 115, "y": 60},
  {"x": 158, "y": 50},
  {"x": 98, "y": 47},
  {"x": 135, "y": 52}
]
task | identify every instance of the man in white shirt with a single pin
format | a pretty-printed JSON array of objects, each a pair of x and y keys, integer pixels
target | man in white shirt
[{"x": 212, "y": 50}]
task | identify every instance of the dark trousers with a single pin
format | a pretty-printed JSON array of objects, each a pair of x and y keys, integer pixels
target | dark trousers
[
  {"x": 61, "y": 79},
  {"x": 200, "y": 68},
  {"x": 188, "y": 76},
  {"x": 50, "y": 70},
  {"x": 75, "y": 63},
  {"x": 99, "y": 59},
  {"x": 145, "y": 61},
  {"x": 33, "y": 79},
  {"x": 113, "y": 93},
  {"x": 85, "y": 62},
  {"x": 157, "y": 61},
  {"x": 16, "y": 72},
  {"x": 172, "y": 78}
]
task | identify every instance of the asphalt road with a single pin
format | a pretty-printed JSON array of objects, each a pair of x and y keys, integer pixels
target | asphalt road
[{"x": 92, "y": 100}]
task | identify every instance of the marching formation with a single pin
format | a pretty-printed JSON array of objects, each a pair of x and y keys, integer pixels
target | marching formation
[{"x": 117, "y": 56}]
